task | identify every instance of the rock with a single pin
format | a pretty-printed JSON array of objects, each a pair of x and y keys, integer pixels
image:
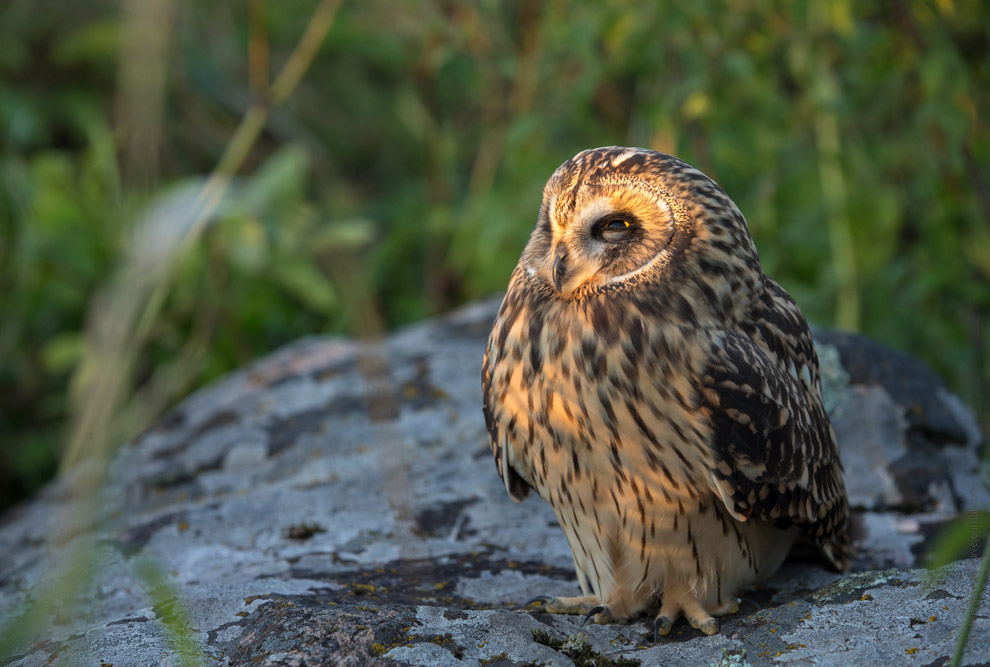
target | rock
[
  {"x": 933, "y": 415},
  {"x": 337, "y": 503},
  {"x": 871, "y": 437}
]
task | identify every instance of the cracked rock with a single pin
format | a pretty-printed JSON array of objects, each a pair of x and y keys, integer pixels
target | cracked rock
[{"x": 336, "y": 503}]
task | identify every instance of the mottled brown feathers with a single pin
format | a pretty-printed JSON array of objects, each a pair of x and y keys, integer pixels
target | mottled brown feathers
[{"x": 660, "y": 392}]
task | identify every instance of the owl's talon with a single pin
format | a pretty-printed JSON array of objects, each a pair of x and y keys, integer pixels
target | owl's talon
[
  {"x": 756, "y": 605},
  {"x": 537, "y": 598},
  {"x": 554, "y": 605},
  {"x": 598, "y": 609},
  {"x": 661, "y": 626}
]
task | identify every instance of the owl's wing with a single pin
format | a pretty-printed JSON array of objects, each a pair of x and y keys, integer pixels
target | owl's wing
[
  {"x": 515, "y": 485},
  {"x": 776, "y": 457}
]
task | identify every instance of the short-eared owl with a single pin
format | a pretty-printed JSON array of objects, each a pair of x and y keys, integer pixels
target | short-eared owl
[{"x": 661, "y": 393}]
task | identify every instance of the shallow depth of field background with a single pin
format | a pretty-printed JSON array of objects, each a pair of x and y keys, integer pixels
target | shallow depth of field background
[{"x": 403, "y": 175}]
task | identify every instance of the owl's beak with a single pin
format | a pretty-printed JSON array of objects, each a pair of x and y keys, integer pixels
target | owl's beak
[{"x": 566, "y": 274}]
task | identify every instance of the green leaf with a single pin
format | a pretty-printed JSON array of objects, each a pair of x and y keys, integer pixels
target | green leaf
[
  {"x": 959, "y": 539},
  {"x": 94, "y": 42},
  {"x": 347, "y": 235},
  {"x": 279, "y": 182},
  {"x": 61, "y": 353},
  {"x": 305, "y": 283}
]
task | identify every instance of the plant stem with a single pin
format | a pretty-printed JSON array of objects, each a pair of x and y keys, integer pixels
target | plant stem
[
  {"x": 974, "y": 606},
  {"x": 119, "y": 325}
]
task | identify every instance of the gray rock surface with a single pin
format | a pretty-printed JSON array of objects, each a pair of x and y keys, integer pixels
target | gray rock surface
[{"x": 336, "y": 504}]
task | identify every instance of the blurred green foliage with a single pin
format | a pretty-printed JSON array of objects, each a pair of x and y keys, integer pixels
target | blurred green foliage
[{"x": 852, "y": 136}]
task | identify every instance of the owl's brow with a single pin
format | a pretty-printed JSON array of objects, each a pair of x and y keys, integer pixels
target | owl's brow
[
  {"x": 591, "y": 172},
  {"x": 659, "y": 191}
]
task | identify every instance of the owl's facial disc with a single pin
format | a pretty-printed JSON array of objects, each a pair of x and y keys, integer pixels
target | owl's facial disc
[
  {"x": 582, "y": 255},
  {"x": 601, "y": 234}
]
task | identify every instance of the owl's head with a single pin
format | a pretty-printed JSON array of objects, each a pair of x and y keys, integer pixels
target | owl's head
[{"x": 624, "y": 218}]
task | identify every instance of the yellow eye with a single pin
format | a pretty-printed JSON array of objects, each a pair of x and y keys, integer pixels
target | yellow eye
[{"x": 617, "y": 224}]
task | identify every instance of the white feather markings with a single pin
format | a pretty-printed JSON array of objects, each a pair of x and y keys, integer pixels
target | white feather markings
[
  {"x": 723, "y": 492},
  {"x": 662, "y": 258}
]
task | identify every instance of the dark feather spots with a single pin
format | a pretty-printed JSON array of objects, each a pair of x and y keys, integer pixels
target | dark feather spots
[
  {"x": 635, "y": 333},
  {"x": 684, "y": 309},
  {"x": 605, "y": 325},
  {"x": 535, "y": 357},
  {"x": 670, "y": 480},
  {"x": 600, "y": 367}
]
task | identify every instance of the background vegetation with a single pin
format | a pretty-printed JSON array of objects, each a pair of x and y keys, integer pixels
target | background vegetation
[{"x": 403, "y": 175}]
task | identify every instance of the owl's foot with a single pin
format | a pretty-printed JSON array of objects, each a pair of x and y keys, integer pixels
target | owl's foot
[
  {"x": 584, "y": 605},
  {"x": 694, "y": 612},
  {"x": 730, "y": 607},
  {"x": 697, "y": 617}
]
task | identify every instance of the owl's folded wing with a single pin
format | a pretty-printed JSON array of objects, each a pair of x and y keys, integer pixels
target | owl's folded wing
[
  {"x": 515, "y": 485},
  {"x": 775, "y": 452}
]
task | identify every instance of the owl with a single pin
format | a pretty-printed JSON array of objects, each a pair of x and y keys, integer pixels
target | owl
[{"x": 661, "y": 393}]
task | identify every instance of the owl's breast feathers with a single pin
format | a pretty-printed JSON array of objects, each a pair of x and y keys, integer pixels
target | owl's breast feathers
[{"x": 765, "y": 437}]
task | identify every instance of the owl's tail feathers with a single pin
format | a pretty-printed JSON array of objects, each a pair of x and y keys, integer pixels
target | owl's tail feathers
[
  {"x": 839, "y": 555},
  {"x": 839, "y": 548},
  {"x": 836, "y": 545}
]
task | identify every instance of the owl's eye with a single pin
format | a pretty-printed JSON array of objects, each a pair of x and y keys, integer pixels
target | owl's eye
[{"x": 613, "y": 229}]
